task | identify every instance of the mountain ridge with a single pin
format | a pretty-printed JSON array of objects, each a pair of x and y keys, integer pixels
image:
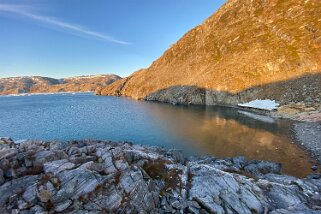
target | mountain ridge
[
  {"x": 243, "y": 45},
  {"x": 39, "y": 84}
]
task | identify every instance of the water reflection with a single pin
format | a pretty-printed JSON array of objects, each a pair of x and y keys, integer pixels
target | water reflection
[
  {"x": 196, "y": 130},
  {"x": 227, "y": 132}
]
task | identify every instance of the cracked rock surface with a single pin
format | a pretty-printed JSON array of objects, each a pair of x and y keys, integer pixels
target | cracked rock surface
[{"x": 111, "y": 177}]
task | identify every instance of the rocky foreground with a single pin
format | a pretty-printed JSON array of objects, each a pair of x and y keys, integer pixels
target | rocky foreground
[{"x": 109, "y": 177}]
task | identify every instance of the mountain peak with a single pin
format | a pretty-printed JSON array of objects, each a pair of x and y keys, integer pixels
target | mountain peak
[{"x": 244, "y": 45}]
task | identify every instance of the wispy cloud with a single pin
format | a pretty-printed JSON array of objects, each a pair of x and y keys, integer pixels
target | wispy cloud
[{"x": 23, "y": 11}]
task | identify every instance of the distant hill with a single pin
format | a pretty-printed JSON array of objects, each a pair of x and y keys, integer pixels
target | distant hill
[
  {"x": 37, "y": 84},
  {"x": 248, "y": 49}
]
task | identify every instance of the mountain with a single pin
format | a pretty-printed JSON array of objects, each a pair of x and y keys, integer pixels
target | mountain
[
  {"x": 37, "y": 84},
  {"x": 248, "y": 49}
]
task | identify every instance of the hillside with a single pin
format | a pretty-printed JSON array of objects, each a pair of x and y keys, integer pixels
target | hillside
[
  {"x": 37, "y": 84},
  {"x": 247, "y": 49}
]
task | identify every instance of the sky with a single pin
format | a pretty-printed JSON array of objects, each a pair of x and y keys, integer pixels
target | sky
[{"x": 64, "y": 38}]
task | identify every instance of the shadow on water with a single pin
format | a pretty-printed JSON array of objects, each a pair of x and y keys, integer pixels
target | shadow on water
[{"x": 228, "y": 132}]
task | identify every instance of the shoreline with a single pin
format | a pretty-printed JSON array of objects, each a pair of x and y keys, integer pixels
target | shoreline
[
  {"x": 308, "y": 136},
  {"x": 44, "y": 93},
  {"x": 309, "y": 144},
  {"x": 295, "y": 112},
  {"x": 105, "y": 176}
]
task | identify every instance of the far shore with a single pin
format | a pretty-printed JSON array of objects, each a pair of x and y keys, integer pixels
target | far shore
[{"x": 45, "y": 93}]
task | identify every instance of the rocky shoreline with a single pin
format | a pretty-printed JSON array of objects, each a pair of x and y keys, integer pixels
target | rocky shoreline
[
  {"x": 308, "y": 136},
  {"x": 119, "y": 177},
  {"x": 308, "y": 110},
  {"x": 301, "y": 111}
]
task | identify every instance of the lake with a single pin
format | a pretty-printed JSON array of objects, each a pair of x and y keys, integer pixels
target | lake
[{"x": 196, "y": 130}]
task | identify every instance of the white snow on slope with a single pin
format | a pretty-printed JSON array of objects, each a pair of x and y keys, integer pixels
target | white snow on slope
[{"x": 261, "y": 104}]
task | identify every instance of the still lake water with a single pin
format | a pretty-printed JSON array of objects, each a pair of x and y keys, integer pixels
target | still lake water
[{"x": 197, "y": 130}]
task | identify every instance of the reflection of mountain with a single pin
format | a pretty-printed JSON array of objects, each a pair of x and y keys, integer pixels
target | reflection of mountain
[
  {"x": 223, "y": 132},
  {"x": 36, "y": 84},
  {"x": 247, "y": 49}
]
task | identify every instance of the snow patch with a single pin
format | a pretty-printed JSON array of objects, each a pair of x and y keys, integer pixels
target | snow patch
[{"x": 261, "y": 104}]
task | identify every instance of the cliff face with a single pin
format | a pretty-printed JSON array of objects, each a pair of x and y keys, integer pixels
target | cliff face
[
  {"x": 238, "y": 54},
  {"x": 36, "y": 84}
]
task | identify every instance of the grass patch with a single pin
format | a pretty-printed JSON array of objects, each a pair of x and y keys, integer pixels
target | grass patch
[{"x": 157, "y": 170}]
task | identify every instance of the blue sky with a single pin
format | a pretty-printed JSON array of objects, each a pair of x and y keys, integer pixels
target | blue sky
[{"x": 62, "y": 38}]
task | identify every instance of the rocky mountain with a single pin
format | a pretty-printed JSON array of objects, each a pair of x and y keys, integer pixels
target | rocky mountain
[
  {"x": 37, "y": 84},
  {"x": 248, "y": 49}
]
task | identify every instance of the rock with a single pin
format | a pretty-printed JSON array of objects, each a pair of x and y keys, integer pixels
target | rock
[
  {"x": 109, "y": 202},
  {"x": 177, "y": 205},
  {"x": 1, "y": 177},
  {"x": 82, "y": 160},
  {"x": 9, "y": 173},
  {"x": 283, "y": 196},
  {"x": 76, "y": 183},
  {"x": 30, "y": 194},
  {"x": 309, "y": 109},
  {"x": 121, "y": 165},
  {"x": 44, "y": 195},
  {"x": 259, "y": 168},
  {"x": 281, "y": 179},
  {"x": 136, "y": 155},
  {"x": 297, "y": 209},
  {"x": 37, "y": 209},
  {"x": 57, "y": 166},
  {"x": 7, "y": 153},
  {"x": 127, "y": 183},
  {"x": 22, "y": 205},
  {"x": 63, "y": 206},
  {"x": 4, "y": 164},
  {"x": 6, "y": 142},
  {"x": 28, "y": 162},
  {"x": 209, "y": 183},
  {"x": 239, "y": 162},
  {"x": 314, "y": 168},
  {"x": 44, "y": 156},
  {"x": 16, "y": 186},
  {"x": 73, "y": 151},
  {"x": 97, "y": 167},
  {"x": 209, "y": 206},
  {"x": 193, "y": 210},
  {"x": 50, "y": 187},
  {"x": 177, "y": 155},
  {"x": 314, "y": 176}
]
